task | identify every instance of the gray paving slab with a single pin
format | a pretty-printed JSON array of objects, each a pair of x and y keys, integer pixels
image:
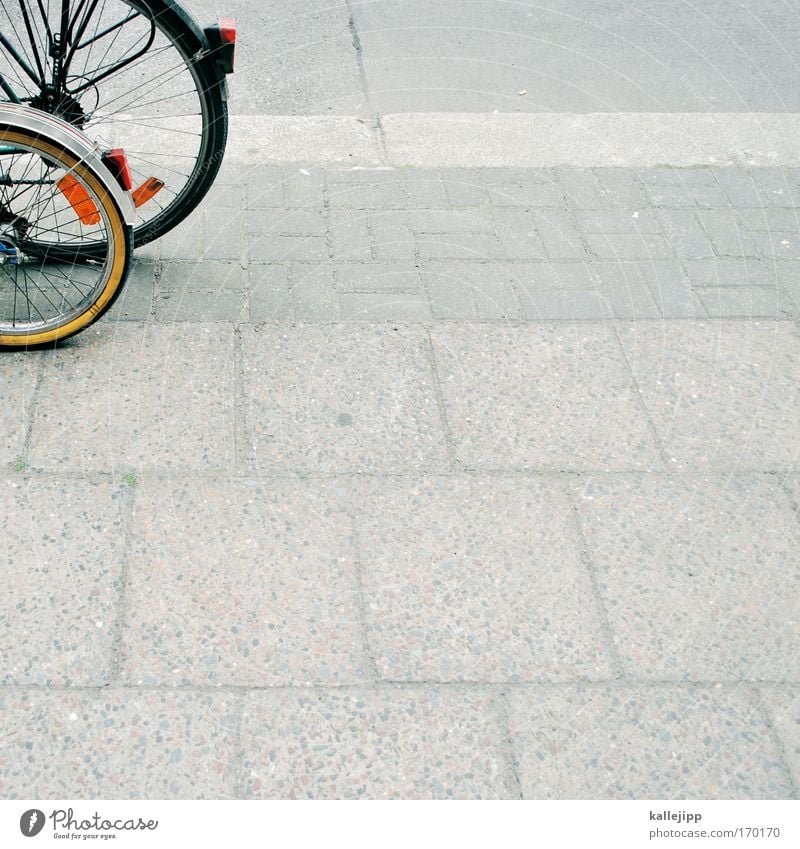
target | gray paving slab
[
  {"x": 341, "y": 399},
  {"x": 63, "y": 561},
  {"x": 135, "y": 301},
  {"x": 312, "y": 292},
  {"x": 240, "y": 583},
  {"x": 745, "y": 302},
  {"x": 419, "y": 743},
  {"x": 579, "y": 408},
  {"x": 379, "y": 306},
  {"x": 721, "y": 395},
  {"x": 117, "y": 743},
  {"x": 699, "y": 577},
  {"x": 476, "y": 579},
  {"x": 783, "y": 710},
  {"x": 129, "y": 396},
  {"x": 18, "y": 373},
  {"x": 203, "y": 276},
  {"x": 617, "y": 742},
  {"x": 269, "y": 298}
]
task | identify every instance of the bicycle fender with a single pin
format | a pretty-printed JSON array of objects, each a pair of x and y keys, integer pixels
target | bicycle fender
[{"x": 64, "y": 135}]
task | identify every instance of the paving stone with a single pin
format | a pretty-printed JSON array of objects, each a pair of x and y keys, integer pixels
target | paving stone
[
  {"x": 269, "y": 298},
  {"x": 118, "y": 744},
  {"x": 304, "y": 187},
  {"x": 477, "y": 246},
  {"x": 532, "y": 276},
  {"x": 462, "y": 189},
  {"x": 644, "y": 743},
  {"x": 581, "y": 188},
  {"x": 344, "y": 398},
  {"x": 739, "y": 186},
  {"x": 450, "y": 297},
  {"x": 775, "y": 187},
  {"x": 63, "y": 560},
  {"x": 621, "y": 188},
  {"x": 745, "y": 302},
  {"x": 221, "y": 196},
  {"x": 373, "y": 744},
  {"x": 688, "y": 195},
  {"x": 559, "y": 235},
  {"x": 205, "y": 276},
  {"x": 622, "y": 246},
  {"x": 424, "y": 192},
  {"x": 669, "y": 176},
  {"x": 778, "y": 245},
  {"x": 581, "y": 410},
  {"x": 368, "y": 277},
  {"x": 313, "y": 294},
  {"x": 272, "y": 248},
  {"x": 475, "y": 579},
  {"x": 392, "y": 239},
  {"x": 770, "y": 220},
  {"x": 136, "y": 298},
  {"x": 563, "y": 306},
  {"x": 384, "y": 195},
  {"x": 265, "y": 186},
  {"x": 788, "y": 274},
  {"x": 627, "y": 292},
  {"x": 17, "y": 384},
  {"x": 143, "y": 380},
  {"x": 526, "y": 195},
  {"x": 451, "y": 221},
  {"x": 671, "y": 288},
  {"x": 727, "y": 235},
  {"x": 684, "y": 233},
  {"x": 517, "y": 235},
  {"x": 183, "y": 242},
  {"x": 350, "y": 236},
  {"x": 224, "y": 236},
  {"x": 629, "y": 221},
  {"x": 731, "y": 272},
  {"x": 287, "y": 222},
  {"x": 200, "y": 306},
  {"x": 783, "y": 707},
  {"x": 265, "y": 595},
  {"x": 384, "y": 306},
  {"x": 699, "y": 577},
  {"x": 721, "y": 395},
  {"x": 467, "y": 289}
]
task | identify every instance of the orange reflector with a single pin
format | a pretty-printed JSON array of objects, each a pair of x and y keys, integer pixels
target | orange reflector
[
  {"x": 78, "y": 199},
  {"x": 149, "y": 188}
]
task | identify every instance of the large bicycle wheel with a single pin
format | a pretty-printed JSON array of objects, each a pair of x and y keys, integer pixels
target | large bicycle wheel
[
  {"x": 134, "y": 74},
  {"x": 51, "y": 206}
]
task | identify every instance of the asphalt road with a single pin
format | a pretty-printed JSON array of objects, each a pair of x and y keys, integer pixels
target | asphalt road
[{"x": 309, "y": 57}]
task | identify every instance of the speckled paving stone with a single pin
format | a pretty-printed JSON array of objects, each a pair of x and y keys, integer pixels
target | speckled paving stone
[
  {"x": 17, "y": 382},
  {"x": 341, "y": 399},
  {"x": 117, "y": 744},
  {"x": 645, "y": 743},
  {"x": 130, "y": 396},
  {"x": 476, "y": 579},
  {"x": 547, "y": 396},
  {"x": 373, "y": 744},
  {"x": 62, "y": 562},
  {"x": 783, "y": 708},
  {"x": 240, "y": 583},
  {"x": 722, "y": 395},
  {"x": 700, "y": 578}
]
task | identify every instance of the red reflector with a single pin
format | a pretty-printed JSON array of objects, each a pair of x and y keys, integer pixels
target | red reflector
[
  {"x": 117, "y": 163},
  {"x": 227, "y": 30}
]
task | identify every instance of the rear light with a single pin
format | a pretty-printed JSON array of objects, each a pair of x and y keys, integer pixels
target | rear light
[
  {"x": 222, "y": 42},
  {"x": 117, "y": 163},
  {"x": 78, "y": 199}
]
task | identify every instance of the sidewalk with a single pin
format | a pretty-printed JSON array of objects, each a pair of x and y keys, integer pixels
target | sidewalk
[{"x": 405, "y": 482}]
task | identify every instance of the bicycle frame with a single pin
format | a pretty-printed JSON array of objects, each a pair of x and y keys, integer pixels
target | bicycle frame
[{"x": 63, "y": 46}]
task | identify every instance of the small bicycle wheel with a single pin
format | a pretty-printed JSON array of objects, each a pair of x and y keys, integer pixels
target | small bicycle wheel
[
  {"x": 133, "y": 74},
  {"x": 51, "y": 206}
]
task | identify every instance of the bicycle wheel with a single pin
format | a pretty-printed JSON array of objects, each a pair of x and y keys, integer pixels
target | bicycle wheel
[
  {"x": 51, "y": 205},
  {"x": 135, "y": 74}
]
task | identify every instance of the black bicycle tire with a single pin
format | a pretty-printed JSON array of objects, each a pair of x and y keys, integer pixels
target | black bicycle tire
[
  {"x": 178, "y": 25},
  {"x": 120, "y": 264}
]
